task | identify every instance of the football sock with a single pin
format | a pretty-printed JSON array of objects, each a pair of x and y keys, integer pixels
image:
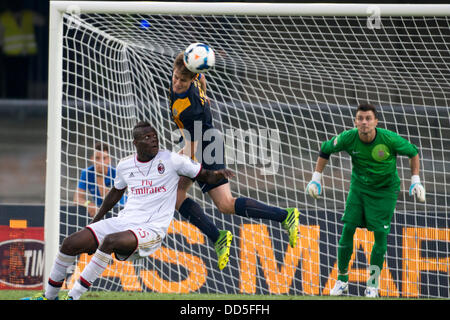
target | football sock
[
  {"x": 58, "y": 274},
  {"x": 345, "y": 250},
  {"x": 377, "y": 257},
  {"x": 91, "y": 272},
  {"x": 192, "y": 211},
  {"x": 250, "y": 208}
]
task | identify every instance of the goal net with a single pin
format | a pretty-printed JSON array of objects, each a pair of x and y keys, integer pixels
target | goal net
[{"x": 287, "y": 78}]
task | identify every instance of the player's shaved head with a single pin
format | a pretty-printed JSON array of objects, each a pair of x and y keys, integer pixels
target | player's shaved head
[
  {"x": 145, "y": 139},
  {"x": 140, "y": 128}
]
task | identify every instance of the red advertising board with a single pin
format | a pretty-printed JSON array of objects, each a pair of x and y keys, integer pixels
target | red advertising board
[{"x": 21, "y": 256}]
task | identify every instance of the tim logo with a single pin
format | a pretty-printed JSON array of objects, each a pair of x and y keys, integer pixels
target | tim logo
[
  {"x": 161, "y": 168},
  {"x": 22, "y": 263}
]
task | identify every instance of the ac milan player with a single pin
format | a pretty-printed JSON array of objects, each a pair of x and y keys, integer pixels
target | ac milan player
[{"x": 151, "y": 176}]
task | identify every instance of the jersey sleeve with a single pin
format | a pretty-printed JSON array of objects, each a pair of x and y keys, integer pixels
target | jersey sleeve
[
  {"x": 335, "y": 144},
  {"x": 119, "y": 181},
  {"x": 403, "y": 146},
  {"x": 82, "y": 183},
  {"x": 184, "y": 166}
]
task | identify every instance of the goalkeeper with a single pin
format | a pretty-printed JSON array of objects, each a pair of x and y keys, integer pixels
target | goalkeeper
[{"x": 374, "y": 188}]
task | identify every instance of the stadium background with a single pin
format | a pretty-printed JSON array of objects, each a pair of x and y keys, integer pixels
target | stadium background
[{"x": 23, "y": 130}]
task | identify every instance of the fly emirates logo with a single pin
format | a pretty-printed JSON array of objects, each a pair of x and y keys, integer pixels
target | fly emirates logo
[{"x": 147, "y": 188}]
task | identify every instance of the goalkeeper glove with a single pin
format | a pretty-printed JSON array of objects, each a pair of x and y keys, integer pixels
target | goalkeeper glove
[
  {"x": 314, "y": 188},
  {"x": 417, "y": 189}
]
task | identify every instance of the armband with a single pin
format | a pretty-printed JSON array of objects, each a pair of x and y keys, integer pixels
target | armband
[{"x": 324, "y": 155}]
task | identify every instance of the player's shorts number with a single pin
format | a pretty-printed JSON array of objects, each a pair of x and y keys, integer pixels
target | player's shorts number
[{"x": 142, "y": 233}]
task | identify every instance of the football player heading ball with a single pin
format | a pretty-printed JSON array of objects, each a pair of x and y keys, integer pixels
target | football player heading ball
[{"x": 190, "y": 106}]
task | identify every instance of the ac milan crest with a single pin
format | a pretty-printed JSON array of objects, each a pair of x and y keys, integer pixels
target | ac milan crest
[{"x": 161, "y": 168}]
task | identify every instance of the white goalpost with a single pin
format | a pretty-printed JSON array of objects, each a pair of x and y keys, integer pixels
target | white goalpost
[{"x": 287, "y": 78}]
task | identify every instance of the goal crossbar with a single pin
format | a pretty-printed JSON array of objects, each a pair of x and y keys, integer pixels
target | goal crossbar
[
  {"x": 288, "y": 73},
  {"x": 273, "y": 9}
]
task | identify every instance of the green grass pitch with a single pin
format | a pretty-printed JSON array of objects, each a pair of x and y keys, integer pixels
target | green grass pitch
[{"x": 107, "y": 295}]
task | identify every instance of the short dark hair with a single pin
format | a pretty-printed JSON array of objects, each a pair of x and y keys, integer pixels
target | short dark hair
[
  {"x": 137, "y": 128},
  {"x": 368, "y": 107},
  {"x": 101, "y": 146},
  {"x": 179, "y": 64}
]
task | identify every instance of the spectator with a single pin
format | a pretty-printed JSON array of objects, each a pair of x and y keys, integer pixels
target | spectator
[{"x": 97, "y": 179}]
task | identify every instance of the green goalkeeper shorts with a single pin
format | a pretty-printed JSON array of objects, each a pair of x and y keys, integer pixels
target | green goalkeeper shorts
[{"x": 368, "y": 211}]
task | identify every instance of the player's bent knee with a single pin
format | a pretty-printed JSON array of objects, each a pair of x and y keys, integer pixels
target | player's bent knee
[
  {"x": 226, "y": 205},
  {"x": 110, "y": 242},
  {"x": 123, "y": 242},
  {"x": 67, "y": 247},
  {"x": 79, "y": 242}
]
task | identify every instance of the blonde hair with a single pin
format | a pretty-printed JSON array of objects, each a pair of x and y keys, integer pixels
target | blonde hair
[{"x": 179, "y": 65}]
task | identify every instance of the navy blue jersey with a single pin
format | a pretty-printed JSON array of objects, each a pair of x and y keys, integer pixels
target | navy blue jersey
[
  {"x": 188, "y": 108},
  {"x": 191, "y": 106}
]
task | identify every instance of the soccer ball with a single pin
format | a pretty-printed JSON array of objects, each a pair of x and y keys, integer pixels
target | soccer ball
[{"x": 199, "y": 57}]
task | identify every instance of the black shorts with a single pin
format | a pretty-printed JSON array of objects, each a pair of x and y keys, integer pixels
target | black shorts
[
  {"x": 217, "y": 165},
  {"x": 205, "y": 187}
]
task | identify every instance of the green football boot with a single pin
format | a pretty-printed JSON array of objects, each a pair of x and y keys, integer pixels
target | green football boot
[
  {"x": 290, "y": 224},
  {"x": 66, "y": 297},
  {"x": 222, "y": 247},
  {"x": 37, "y": 296}
]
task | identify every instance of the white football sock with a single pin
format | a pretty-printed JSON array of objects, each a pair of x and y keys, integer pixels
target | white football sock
[
  {"x": 91, "y": 272},
  {"x": 58, "y": 274}
]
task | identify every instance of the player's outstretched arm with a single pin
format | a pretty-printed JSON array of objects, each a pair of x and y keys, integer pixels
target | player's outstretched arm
[
  {"x": 112, "y": 197},
  {"x": 214, "y": 176}
]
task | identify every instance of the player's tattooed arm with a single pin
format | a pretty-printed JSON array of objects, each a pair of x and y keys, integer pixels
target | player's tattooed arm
[{"x": 214, "y": 176}]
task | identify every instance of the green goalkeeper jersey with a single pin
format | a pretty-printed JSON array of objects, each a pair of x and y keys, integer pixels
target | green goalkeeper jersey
[{"x": 375, "y": 163}]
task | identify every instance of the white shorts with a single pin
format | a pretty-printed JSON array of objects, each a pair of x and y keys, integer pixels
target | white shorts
[{"x": 148, "y": 241}]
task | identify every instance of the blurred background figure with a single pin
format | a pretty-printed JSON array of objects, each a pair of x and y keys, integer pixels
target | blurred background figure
[
  {"x": 23, "y": 100},
  {"x": 96, "y": 180},
  {"x": 18, "y": 46}
]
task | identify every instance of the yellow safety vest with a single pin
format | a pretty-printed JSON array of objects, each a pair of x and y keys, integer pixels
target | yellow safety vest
[{"x": 18, "y": 40}]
